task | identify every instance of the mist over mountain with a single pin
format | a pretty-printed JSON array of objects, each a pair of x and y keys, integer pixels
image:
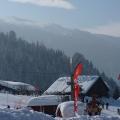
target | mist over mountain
[
  {"x": 102, "y": 50},
  {"x": 36, "y": 64}
]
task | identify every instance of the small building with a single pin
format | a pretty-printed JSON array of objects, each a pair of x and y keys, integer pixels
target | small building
[
  {"x": 45, "y": 103},
  {"x": 16, "y": 87},
  {"x": 90, "y": 85}
]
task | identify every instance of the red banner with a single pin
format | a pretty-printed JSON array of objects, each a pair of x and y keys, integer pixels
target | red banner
[{"x": 77, "y": 72}]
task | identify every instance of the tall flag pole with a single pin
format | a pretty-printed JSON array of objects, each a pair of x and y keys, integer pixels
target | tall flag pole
[
  {"x": 77, "y": 72},
  {"x": 72, "y": 81}
]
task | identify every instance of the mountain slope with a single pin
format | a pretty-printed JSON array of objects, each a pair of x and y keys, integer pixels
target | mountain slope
[{"x": 102, "y": 50}]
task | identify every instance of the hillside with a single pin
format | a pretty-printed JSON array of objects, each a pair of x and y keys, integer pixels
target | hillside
[
  {"x": 96, "y": 48},
  {"x": 31, "y": 63},
  {"x": 35, "y": 64}
]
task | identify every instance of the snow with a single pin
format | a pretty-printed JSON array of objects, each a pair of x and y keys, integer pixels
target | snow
[
  {"x": 44, "y": 100},
  {"x": 16, "y": 101},
  {"x": 110, "y": 114},
  {"x": 67, "y": 108},
  {"x": 26, "y": 114},
  {"x": 23, "y": 114},
  {"x": 17, "y": 85},
  {"x": 86, "y": 117},
  {"x": 60, "y": 85},
  {"x": 13, "y": 100},
  {"x": 63, "y": 87},
  {"x": 86, "y": 85}
]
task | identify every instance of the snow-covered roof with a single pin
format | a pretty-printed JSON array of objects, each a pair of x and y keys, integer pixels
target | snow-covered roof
[
  {"x": 67, "y": 109},
  {"x": 17, "y": 85},
  {"x": 44, "y": 100},
  {"x": 61, "y": 85},
  {"x": 86, "y": 82}
]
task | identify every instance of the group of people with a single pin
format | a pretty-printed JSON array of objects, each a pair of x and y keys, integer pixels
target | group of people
[
  {"x": 118, "y": 110},
  {"x": 93, "y": 109},
  {"x": 103, "y": 105},
  {"x": 100, "y": 103},
  {"x": 95, "y": 106}
]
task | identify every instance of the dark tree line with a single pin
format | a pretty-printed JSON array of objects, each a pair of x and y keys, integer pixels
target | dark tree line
[
  {"x": 30, "y": 62},
  {"x": 35, "y": 64}
]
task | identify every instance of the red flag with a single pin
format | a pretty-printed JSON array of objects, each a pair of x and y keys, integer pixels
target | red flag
[
  {"x": 77, "y": 72},
  {"x": 76, "y": 94}
]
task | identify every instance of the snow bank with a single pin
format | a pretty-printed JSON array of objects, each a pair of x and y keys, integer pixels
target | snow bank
[
  {"x": 92, "y": 118},
  {"x": 24, "y": 114},
  {"x": 67, "y": 109}
]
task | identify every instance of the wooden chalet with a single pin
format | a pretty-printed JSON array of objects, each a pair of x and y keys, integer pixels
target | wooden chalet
[
  {"x": 60, "y": 91},
  {"x": 45, "y": 103},
  {"x": 90, "y": 85}
]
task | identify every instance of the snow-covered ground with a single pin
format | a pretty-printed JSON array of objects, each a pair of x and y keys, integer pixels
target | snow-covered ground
[
  {"x": 22, "y": 114},
  {"x": 26, "y": 114},
  {"x": 110, "y": 114},
  {"x": 13, "y": 100},
  {"x": 16, "y": 101}
]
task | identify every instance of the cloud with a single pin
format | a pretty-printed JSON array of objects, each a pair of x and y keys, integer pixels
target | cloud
[
  {"x": 49, "y": 3},
  {"x": 21, "y": 19},
  {"x": 112, "y": 29}
]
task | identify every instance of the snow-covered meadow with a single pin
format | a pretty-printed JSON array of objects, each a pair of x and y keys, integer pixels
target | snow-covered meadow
[{"x": 26, "y": 114}]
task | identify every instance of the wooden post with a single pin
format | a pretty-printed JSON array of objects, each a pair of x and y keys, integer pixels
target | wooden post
[
  {"x": 72, "y": 81},
  {"x": 72, "y": 88}
]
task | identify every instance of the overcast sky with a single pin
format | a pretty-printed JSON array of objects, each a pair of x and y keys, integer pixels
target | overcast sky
[{"x": 97, "y": 16}]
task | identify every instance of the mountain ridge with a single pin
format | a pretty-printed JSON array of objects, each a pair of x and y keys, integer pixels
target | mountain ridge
[{"x": 103, "y": 50}]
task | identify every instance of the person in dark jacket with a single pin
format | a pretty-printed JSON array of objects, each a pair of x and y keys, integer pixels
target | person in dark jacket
[
  {"x": 107, "y": 105},
  {"x": 102, "y": 105},
  {"x": 8, "y": 106}
]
